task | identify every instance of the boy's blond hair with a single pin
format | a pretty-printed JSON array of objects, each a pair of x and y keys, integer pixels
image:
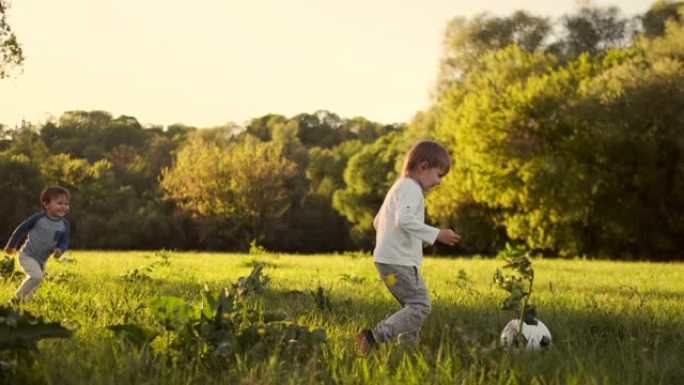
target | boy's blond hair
[{"x": 434, "y": 153}]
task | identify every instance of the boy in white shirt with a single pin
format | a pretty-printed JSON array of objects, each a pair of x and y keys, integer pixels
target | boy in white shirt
[{"x": 400, "y": 233}]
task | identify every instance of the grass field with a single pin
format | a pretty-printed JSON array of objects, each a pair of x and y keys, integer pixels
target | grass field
[{"x": 612, "y": 322}]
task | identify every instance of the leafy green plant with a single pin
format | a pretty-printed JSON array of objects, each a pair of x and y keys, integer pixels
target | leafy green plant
[
  {"x": 288, "y": 339},
  {"x": 143, "y": 273},
  {"x": 462, "y": 279},
  {"x": 518, "y": 286},
  {"x": 321, "y": 299},
  {"x": 139, "y": 275},
  {"x": 165, "y": 257},
  {"x": 256, "y": 249},
  {"x": 352, "y": 278},
  {"x": 255, "y": 282},
  {"x": 171, "y": 312},
  {"x": 8, "y": 268},
  {"x": 175, "y": 315},
  {"x": 254, "y": 262},
  {"x": 20, "y": 330},
  {"x": 229, "y": 323},
  {"x": 61, "y": 277},
  {"x": 137, "y": 335}
]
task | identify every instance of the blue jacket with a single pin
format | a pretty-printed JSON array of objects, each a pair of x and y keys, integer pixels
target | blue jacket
[{"x": 42, "y": 235}]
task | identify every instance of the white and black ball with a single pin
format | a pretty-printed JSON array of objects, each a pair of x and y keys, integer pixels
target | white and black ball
[{"x": 536, "y": 333}]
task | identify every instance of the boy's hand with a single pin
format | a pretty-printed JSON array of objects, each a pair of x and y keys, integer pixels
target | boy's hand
[
  {"x": 10, "y": 250},
  {"x": 58, "y": 253},
  {"x": 448, "y": 237}
]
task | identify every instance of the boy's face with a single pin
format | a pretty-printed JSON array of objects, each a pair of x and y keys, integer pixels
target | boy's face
[
  {"x": 429, "y": 177},
  {"x": 57, "y": 207}
]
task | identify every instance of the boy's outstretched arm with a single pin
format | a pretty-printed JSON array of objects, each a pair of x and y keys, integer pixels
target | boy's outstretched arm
[{"x": 21, "y": 231}]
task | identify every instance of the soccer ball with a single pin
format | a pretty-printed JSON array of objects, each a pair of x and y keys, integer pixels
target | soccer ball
[{"x": 538, "y": 336}]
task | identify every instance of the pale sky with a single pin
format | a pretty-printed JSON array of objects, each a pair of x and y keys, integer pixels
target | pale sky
[{"x": 208, "y": 62}]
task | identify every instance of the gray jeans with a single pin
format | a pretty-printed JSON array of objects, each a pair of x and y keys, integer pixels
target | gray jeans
[
  {"x": 406, "y": 285},
  {"x": 35, "y": 271}
]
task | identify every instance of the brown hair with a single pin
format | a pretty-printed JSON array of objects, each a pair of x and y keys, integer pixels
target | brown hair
[
  {"x": 434, "y": 153},
  {"x": 51, "y": 193}
]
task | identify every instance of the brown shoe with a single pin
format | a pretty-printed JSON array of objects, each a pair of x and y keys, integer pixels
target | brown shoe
[{"x": 365, "y": 342}]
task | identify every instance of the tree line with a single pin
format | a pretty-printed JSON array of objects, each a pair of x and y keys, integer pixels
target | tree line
[{"x": 567, "y": 136}]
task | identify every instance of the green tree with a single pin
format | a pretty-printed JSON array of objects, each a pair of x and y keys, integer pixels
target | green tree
[
  {"x": 635, "y": 111},
  {"x": 159, "y": 154},
  {"x": 503, "y": 108},
  {"x": 368, "y": 176},
  {"x": 131, "y": 168},
  {"x": 494, "y": 125},
  {"x": 136, "y": 154},
  {"x": 591, "y": 30},
  {"x": 322, "y": 227},
  {"x": 326, "y": 167},
  {"x": 654, "y": 20},
  {"x": 239, "y": 188},
  {"x": 27, "y": 141},
  {"x": 367, "y": 131},
  {"x": 466, "y": 40},
  {"x": 263, "y": 127},
  {"x": 63, "y": 170},
  {"x": 92, "y": 134},
  {"x": 576, "y": 158},
  {"x": 20, "y": 188},
  {"x": 178, "y": 133},
  {"x": 108, "y": 215},
  {"x": 11, "y": 54},
  {"x": 5, "y": 137},
  {"x": 321, "y": 129}
]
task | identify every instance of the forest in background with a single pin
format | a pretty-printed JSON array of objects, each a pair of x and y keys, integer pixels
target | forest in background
[{"x": 567, "y": 136}]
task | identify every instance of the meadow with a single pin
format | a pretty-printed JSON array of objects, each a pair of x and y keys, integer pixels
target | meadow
[{"x": 612, "y": 322}]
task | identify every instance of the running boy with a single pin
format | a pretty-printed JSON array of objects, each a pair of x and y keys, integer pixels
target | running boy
[
  {"x": 400, "y": 231},
  {"x": 48, "y": 233}
]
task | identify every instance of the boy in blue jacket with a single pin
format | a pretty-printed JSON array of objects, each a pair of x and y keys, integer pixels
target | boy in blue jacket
[{"x": 46, "y": 233}]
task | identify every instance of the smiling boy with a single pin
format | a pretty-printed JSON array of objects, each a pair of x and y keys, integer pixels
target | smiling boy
[{"x": 46, "y": 233}]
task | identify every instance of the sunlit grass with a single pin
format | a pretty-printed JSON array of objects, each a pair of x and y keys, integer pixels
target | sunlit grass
[{"x": 612, "y": 323}]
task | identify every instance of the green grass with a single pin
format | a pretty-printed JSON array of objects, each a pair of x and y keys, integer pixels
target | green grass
[{"x": 612, "y": 322}]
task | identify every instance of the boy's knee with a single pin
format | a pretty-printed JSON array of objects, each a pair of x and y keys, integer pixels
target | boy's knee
[
  {"x": 423, "y": 308},
  {"x": 37, "y": 276},
  {"x": 426, "y": 309}
]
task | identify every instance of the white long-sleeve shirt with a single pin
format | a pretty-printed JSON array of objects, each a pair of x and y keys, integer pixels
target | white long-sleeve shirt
[{"x": 400, "y": 225}]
